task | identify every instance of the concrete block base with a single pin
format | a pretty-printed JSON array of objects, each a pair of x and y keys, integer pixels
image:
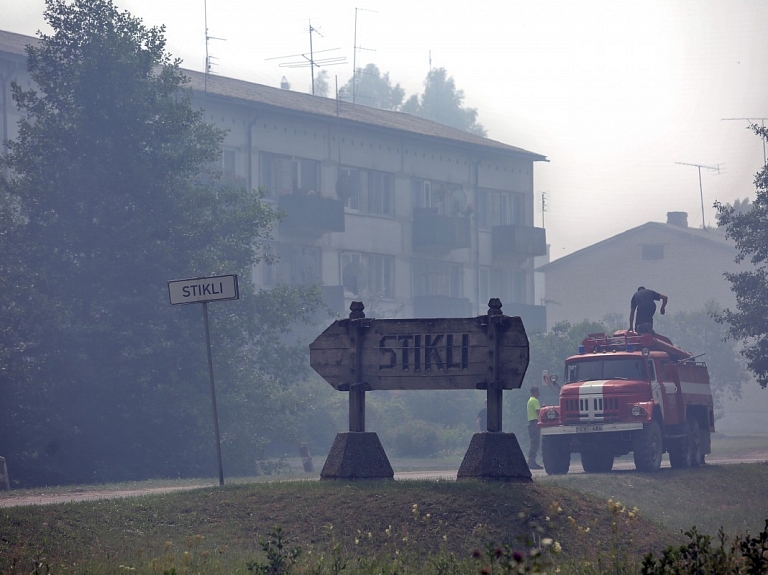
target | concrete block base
[
  {"x": 357, "y": 455},
  {"x": 496, "y": 457}
]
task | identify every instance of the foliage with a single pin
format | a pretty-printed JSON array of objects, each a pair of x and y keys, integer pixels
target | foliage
[
  {"x": 442, "y": 102},
  {"x": 416, "y": 439},
  {"x": 699, "y": 333},
  {"x": 109, "y": 191},
  {"x": 279, "y": 558},
  {"x": 749, "y": 230},
  {"x": 322, "y": 87},
  {"x": 370, "y": 87}
]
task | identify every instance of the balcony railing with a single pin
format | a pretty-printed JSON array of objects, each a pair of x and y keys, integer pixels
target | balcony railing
[
  {"x": 310, "y": 215},
  {"x": 518, "y": 243},
  {"x": 436, "y": 233}
]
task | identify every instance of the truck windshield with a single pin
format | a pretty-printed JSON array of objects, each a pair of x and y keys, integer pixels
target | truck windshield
[{"x": 606, "y": 368}]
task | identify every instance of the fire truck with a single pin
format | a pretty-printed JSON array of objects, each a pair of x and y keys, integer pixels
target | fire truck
[{"x": 625, "y": 393}]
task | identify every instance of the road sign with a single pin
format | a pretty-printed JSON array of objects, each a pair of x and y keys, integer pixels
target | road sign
[
  {"x": 201, "y": 290},
  {"x": 465, "y": 353}
]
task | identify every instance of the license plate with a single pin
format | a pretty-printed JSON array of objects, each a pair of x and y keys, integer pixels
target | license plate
[{"x": 587, "y": 428}]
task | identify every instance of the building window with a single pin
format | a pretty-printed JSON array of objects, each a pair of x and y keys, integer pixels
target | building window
[
  {"x": 497, "y": 208},
  {"x": 295, "y": 265},
  {"x": 432, "y": 277},
  {"x": 444, "y": 198},
  {"x": 653, "y": 251},
  {"x": 368, "y": 274},
  {"x": 367, "y": 191},
  {"x": 288, "y": 175}
]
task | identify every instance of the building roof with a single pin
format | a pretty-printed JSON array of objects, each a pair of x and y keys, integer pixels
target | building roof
[
  {"x": 712, "y": 238},
  {"x": 297, "y": 102}
]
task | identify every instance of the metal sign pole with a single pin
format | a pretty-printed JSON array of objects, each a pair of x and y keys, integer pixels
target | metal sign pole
[{"x": 213, "y": 393}]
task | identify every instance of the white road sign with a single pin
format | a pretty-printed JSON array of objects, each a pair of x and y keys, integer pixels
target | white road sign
[{"x": 200, "y": 290}]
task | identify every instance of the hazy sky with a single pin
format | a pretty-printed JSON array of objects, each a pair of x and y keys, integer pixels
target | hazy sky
[{"x": 613, "y": 92}]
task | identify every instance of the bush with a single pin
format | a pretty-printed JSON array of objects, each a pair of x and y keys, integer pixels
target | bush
[{"x": 417, "y": 439}]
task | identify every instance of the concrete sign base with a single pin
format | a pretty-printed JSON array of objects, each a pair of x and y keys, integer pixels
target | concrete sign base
[
  {"x": 495, "y": 456},
  {"x": 357, "y": 455}
]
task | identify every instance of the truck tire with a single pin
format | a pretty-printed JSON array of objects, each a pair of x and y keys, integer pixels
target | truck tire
[
  {"x": 596, "y": 460},
  {"x": 648, "y": 447},
  {"x": 680, "y": 452},
  {"x": 695, "y": 449},
  {"x": 556, "y": 454}
]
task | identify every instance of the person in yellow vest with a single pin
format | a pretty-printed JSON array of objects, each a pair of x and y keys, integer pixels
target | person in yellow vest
[{"x": 534, "y": 433}]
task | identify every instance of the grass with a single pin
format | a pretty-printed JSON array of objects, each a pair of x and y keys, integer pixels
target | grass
[{"x": 387, "y": 527}]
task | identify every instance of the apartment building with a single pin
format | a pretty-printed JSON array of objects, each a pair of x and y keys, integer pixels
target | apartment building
[{"x": 414, "y": 218}]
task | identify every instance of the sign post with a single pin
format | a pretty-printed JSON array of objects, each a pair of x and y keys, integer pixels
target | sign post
[
  {"x": 359, "y": 354},
  {"x": 204, "y": 290}
]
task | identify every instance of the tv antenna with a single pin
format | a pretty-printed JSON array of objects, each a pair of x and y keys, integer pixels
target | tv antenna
[
  {"x": 208, "y": 58},
  {"x": 701, "y": 190},
  {"x": 753, "y": 121},
  {"x": 355, "y": 48},
  {"x": 309, "y": 61},
  {"x": 544, "y": 205}
]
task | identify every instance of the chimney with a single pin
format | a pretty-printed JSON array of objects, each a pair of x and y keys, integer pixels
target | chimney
[
  {"x": 284, "y": 85},
  {"x": 677, "y": 219}
]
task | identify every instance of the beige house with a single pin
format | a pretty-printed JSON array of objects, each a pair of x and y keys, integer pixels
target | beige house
[
  {"x": 685, "y": 264},
  {"x": 415, "y": 218}
]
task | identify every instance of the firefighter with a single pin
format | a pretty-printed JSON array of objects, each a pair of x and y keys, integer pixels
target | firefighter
[
  {"x": 534, "y": 433},
  {"x": 644, "y": 303}
]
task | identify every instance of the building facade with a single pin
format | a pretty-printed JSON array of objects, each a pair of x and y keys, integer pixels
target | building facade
[{"x": 414, "y": 218}]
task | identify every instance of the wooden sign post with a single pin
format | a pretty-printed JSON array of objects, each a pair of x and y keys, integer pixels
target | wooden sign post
[{"x": 362, "y": 354}]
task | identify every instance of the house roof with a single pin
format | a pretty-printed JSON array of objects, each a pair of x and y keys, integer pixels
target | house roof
[
  {"x": 297, "y": 102},
  {"x": 712, "y": 238}
]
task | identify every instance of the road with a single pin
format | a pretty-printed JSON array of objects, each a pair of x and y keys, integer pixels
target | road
[{"x": 87, "y": 494}]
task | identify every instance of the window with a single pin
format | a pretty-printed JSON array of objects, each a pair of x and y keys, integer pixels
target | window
[
  {"x": 296, "y": 265},
  {"x": 432, "y": 277},
  {"x": 497, "y": 208},
  {"x": 363, "y": 273},
  {"x": 653, "y": 251},
  {"x": 288, "y": 175},
  {"x": 367, "y": 191},
  {"x": 444, "y": 198}
]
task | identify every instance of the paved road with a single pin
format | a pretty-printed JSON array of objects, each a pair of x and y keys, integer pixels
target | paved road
[{"x": 75, "y": 495}]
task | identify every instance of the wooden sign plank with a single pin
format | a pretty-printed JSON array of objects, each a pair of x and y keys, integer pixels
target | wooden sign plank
[{"x": 422, "y": 353}]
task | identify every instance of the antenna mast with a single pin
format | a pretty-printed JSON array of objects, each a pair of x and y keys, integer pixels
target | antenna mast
[
  {"x": 701, "y": 190},
  {"x": 752, "y": 121},
  {"x": 207, "y": 38}
]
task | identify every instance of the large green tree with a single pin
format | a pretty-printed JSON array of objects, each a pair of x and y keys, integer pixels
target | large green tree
[
  {"x": 442, "y": 102},
  {"x": 109, "y": 193},
  {"x": 749, "y": 230},
  {"x": 370, "y": 87}
]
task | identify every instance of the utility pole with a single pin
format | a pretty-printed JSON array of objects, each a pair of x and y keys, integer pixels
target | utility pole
[{"x": 701, "y": 190}]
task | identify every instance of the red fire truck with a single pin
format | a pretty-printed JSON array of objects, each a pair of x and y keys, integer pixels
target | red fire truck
[{"x": 626, "y": 393}]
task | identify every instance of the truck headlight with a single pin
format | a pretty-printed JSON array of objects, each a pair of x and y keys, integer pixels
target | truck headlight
[
  {"x": 551, "y": 414},
  {"x": 638, "y": 411}
]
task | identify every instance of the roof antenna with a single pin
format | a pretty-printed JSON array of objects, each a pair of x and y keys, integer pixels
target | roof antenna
[
  {"x": 207, "y": 37},
  {"x": 701, "y": 190}
]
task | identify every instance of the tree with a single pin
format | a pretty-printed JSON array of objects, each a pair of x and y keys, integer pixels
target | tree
[
  {"x": 749, "y": 230},
  {"x": 109, "y": 193},
  {"x": 370, "y": 87},
  {"x": 321, "y": 84},
  {"x": 442, "y": 102}
]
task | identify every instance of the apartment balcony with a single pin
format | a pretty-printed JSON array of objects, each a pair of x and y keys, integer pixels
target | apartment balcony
[
  {"x": 534, "y": 316},
  {"x": 435, "y": 233},
  {"x": 441, "y": 306},
  {"x": 518, "y": 243},
  {"x": 310, "y": 216}
]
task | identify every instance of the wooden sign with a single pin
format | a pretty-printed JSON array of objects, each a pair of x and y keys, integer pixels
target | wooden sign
[{"x": 485, "y": 352}]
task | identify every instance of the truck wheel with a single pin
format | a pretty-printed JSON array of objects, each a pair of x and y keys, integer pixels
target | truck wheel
[
  {"x": 694, "y": 442},
  {"x": 648, "y": 447},
  {"x": 596, "y": 461},
  {"x": 556, "y": 454},
  {"x": 680, "y": 452}
]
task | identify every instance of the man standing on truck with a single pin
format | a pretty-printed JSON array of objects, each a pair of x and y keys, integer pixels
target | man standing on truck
[
  {"x": 644, "y": 302},
  {"x": 534, "y": 433}
]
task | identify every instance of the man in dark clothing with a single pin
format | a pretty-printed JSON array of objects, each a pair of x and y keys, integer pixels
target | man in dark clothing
[{"x": 644, "y": 303}]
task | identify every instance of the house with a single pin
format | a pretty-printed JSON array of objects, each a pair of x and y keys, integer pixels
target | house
[
  {"x": 414, "y": 218},
  {"x": 685, "y": 264}
]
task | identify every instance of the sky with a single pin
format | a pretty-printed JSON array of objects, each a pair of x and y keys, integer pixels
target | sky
[{"x": 619, "y": 95}]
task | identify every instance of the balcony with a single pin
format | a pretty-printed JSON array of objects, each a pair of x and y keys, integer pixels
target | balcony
[
  {"x": 310, "y": 216},
  {"x": 518, "y": 243},
  {"x": 437, "y": 234},
  {"x": 441, "y": 306}
]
